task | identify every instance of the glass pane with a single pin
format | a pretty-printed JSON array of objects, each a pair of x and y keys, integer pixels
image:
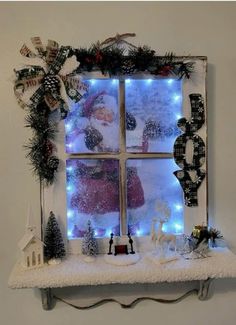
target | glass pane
[
  {"x": 150, "y": 181},
  {"x": 93, "y": 124},
  {"x": 93, "y": 194},
  {"x": 152, "y": 110}
]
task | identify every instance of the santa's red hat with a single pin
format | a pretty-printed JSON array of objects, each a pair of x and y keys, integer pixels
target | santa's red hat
[{"x": 99, "y": 100}]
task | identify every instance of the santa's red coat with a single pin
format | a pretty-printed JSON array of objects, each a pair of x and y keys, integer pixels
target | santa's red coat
[{"x": 98, "y": 188}]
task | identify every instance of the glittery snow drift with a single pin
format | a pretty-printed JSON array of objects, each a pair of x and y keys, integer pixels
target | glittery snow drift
[{"x": 74, "y": 271}]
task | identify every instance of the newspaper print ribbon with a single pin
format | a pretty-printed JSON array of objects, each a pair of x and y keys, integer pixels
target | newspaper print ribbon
[{"x": 52, "y": 87}]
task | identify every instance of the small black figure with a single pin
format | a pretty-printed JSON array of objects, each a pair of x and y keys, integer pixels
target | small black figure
[
  {"x": 110, "y": 244},
  {"x": 131, "y": 243}
]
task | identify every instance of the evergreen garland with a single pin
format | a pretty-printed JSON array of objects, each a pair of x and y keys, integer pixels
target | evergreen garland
[
  {"x": 54, "y": 245},
  {"x": 142, "y": 58},
  {"x": 41, "y": 148},
  {"x": 113, "y": 61}
]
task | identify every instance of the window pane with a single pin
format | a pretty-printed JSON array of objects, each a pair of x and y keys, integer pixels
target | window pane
[
  {"x": 150, "y": 181},
  {"x": 93, "y": 194},
  {"x": 93, "y": 124},
  {"x": 152, "y": 110}
]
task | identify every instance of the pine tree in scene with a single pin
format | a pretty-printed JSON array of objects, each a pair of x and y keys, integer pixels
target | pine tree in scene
[
  {"x": 89, "y": 245},
  {"x": 54, "y": 245}
]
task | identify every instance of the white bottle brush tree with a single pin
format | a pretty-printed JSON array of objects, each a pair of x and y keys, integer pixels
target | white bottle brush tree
[
  {"x": 54, "y": 249},
  {"x": 89, "y": 244}
]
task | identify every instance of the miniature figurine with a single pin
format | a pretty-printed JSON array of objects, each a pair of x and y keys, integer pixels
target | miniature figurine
[
  {"x": 131, "y": 243},
  {"x": 110, "y": 244}
]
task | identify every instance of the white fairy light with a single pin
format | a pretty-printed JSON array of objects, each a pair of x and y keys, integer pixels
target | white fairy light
[
  {"x": 69, "y": 213},
  {"x": 108, "y": 233},
  {"x": 177, "y": 98},
  {"x": 69, "y": 188},
  {"x": 92, "y": 81},
  {"x": 178, "y": 207},
  {"x": 164, "y": 227},
  {"x": 170, "y": 81},
  {"x": 178, "y": 116},
  {"x": 68, "y": 127},
  {"x": 178, "y": 227}
]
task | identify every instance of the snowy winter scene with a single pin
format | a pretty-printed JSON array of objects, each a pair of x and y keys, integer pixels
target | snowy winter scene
[
  {"x": 156, "y": 106},
  {"x": 154, "y": 181},
  {"x": 93, "y": 194}
]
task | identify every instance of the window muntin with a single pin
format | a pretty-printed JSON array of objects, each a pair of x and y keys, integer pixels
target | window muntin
[{"x": 137, "y": 199}]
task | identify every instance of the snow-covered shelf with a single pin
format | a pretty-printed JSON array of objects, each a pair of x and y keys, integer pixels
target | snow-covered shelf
[{"x": 74, "y": 271}]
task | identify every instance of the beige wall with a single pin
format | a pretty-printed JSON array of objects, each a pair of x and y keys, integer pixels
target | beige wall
[{"x": 185, "y": 28}]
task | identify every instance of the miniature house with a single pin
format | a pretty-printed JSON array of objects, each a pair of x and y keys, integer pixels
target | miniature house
[
  {"x": 31, "y": 246},
  {"x": 32, "y": 250}
]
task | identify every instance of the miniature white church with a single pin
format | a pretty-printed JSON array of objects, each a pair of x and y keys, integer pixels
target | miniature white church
[{"x": 31, "y": 246}]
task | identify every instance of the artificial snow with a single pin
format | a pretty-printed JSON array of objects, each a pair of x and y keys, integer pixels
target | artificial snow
[
  {"x": 74, "y": 271},
  {"x": 122, "y": 260},
  {"x": 158, "y": 259}
]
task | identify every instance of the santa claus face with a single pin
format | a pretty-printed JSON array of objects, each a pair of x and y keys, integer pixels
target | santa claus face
[
  {"x": 104, "y": 114},
  {"x": 103, "y": 120}
]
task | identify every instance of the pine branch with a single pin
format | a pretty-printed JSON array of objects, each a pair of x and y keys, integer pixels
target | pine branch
[{"x": 142, "y": 57}]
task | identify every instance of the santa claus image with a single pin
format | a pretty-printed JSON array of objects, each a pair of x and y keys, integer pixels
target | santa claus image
[
  {"x": 102, "y": 135},
  {"x": 96, "y": 194},
  {"x": 97, "y": 128}
]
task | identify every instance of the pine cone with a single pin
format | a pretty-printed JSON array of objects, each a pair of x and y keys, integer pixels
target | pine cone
[
  {"x": 130, "y": 122},
  {"x": 51, "y": 84},
  {"x": 152, "y": 130},
  {"x": 92, "y": 137},
  {"x": 128, "y": 67},
  {"x": 53, "y": 163}
]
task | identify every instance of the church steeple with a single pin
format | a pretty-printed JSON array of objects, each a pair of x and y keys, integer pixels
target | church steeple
[{"x": 30, "y": 224}]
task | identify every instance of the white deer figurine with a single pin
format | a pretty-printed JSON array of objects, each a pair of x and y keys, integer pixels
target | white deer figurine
[
  {"x": 165, "y": 238},
  {"x": 160, "y": 238}
]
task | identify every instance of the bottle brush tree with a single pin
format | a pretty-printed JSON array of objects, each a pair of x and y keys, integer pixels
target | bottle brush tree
[
  {"x": 89, "y": 244},
  {"x": 53, "y": 240}
]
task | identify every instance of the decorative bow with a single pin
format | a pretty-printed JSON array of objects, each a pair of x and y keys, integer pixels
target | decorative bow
[
  {"x": 118, "y": 39},
  {"x": 55, "y": 81}
]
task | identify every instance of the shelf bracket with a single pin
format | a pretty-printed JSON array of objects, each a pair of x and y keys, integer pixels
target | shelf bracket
[
  {"x": 203, "y": 291},
  {"x": 47, "y": 299}
]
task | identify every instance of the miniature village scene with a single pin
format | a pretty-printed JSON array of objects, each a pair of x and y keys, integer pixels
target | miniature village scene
[{"x": 166, "y": 247}]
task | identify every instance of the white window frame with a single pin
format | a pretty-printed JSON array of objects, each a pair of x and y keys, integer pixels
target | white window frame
[{"x": 54, "y": 197}]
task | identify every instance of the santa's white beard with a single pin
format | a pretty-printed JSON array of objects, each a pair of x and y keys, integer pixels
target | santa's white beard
[{"x": 109, "y": 131}]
